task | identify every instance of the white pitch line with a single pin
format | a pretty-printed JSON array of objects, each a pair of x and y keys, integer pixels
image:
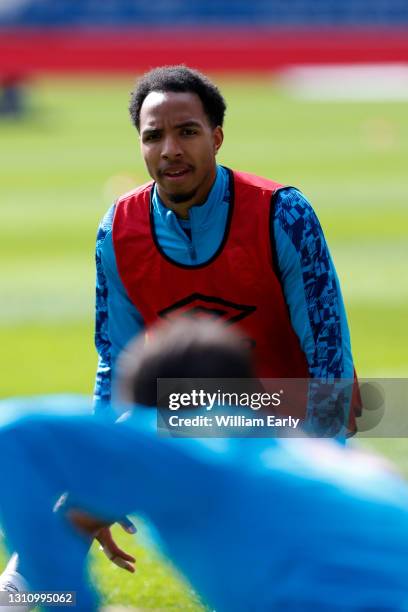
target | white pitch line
[{"x": 347, "y": 83}]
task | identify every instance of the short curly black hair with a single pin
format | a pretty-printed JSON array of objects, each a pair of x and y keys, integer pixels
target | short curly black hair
[
  {"x": 185, "y": 349},
  {"x": 179, "y": 79}
]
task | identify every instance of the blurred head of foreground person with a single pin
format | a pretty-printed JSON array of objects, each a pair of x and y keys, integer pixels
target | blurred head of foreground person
[{"x": 185, "y": 349}]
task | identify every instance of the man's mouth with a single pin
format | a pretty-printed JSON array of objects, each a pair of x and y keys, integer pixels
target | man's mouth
[{"x": 176, "y": 173}]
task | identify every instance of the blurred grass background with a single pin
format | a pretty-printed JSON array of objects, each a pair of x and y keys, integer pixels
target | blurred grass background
[{"x": 62, "y": 168}]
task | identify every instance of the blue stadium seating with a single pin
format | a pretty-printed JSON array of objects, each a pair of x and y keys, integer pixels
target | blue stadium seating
[{"x": 282, "y": 13}]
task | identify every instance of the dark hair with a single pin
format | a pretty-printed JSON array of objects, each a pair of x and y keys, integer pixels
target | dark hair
[
  {"x": 179, "y": 79},
  {"x": 185, "y": 349}
]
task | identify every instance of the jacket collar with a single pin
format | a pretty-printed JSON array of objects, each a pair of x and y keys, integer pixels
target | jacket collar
[{"x": 203, "y": 214}]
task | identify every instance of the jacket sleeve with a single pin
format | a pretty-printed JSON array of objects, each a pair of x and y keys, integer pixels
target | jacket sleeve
[
  {"x": 117, "y": 320},
  {"x": 102, "y": 391},
  {"x": 312, "y": 292}
]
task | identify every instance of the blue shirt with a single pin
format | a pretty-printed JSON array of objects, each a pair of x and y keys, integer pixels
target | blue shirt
[{"x": 309, "y": 280}]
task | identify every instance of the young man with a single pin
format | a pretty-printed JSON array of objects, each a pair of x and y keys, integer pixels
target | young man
[
  {"x": 202, "y": 238},
  {"x": 254, "y": 524}
]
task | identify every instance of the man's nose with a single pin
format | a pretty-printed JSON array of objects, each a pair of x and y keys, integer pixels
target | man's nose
[{"x": 171, "y": 147}]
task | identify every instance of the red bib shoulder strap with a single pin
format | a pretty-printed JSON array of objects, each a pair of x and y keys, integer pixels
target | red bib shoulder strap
[{"x": 244, "y": 178}]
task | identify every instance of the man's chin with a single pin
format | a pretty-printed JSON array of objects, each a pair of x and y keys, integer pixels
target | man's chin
[{"x": 181, "y": 198}]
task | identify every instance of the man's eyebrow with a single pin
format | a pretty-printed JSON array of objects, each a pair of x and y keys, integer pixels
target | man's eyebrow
[
  {"x": 183, "y": 124},
  {"x": 189, "y": 123},
  {"x": 151, "y": 130}
]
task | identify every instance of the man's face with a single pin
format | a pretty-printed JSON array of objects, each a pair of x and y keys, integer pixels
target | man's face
[{"x": 179, "y": 145}]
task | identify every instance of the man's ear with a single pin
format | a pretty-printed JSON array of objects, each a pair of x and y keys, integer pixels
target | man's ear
[{"x": 218, "y": 135}]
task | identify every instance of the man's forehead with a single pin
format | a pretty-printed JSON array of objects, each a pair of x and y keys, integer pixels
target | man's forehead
[{"x": 172, "y": 106}]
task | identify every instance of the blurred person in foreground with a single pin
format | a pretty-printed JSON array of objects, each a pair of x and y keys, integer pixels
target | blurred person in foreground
[
  {"x": 201, "y": 238},
  {"x": 282, "y": 524}
]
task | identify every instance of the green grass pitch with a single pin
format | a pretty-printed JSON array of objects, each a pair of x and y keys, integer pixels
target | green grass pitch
[{"x": 62, "y": 168}]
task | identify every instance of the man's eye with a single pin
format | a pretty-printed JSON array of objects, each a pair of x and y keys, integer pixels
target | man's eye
[
  {"x": 189, "y": 132},
  {"x": 151, "y": 137}
]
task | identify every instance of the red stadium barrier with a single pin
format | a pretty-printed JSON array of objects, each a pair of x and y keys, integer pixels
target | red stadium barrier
[{"x": 81, "y": 51}]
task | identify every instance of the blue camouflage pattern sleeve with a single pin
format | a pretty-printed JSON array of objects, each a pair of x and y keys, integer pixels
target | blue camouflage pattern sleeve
[
  {"x": 117, "y": 320},
  {"x": 102, "y": 391},
  {"x": 312, "y": 292}
]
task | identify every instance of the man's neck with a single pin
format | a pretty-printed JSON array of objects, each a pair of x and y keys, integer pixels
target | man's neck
[{"x": 181, "y": 210}]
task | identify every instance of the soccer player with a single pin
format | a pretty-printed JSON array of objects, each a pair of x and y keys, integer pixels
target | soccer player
[
  {"x": 200, "y": 238},
  {"x": 254, "y": 524}
]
